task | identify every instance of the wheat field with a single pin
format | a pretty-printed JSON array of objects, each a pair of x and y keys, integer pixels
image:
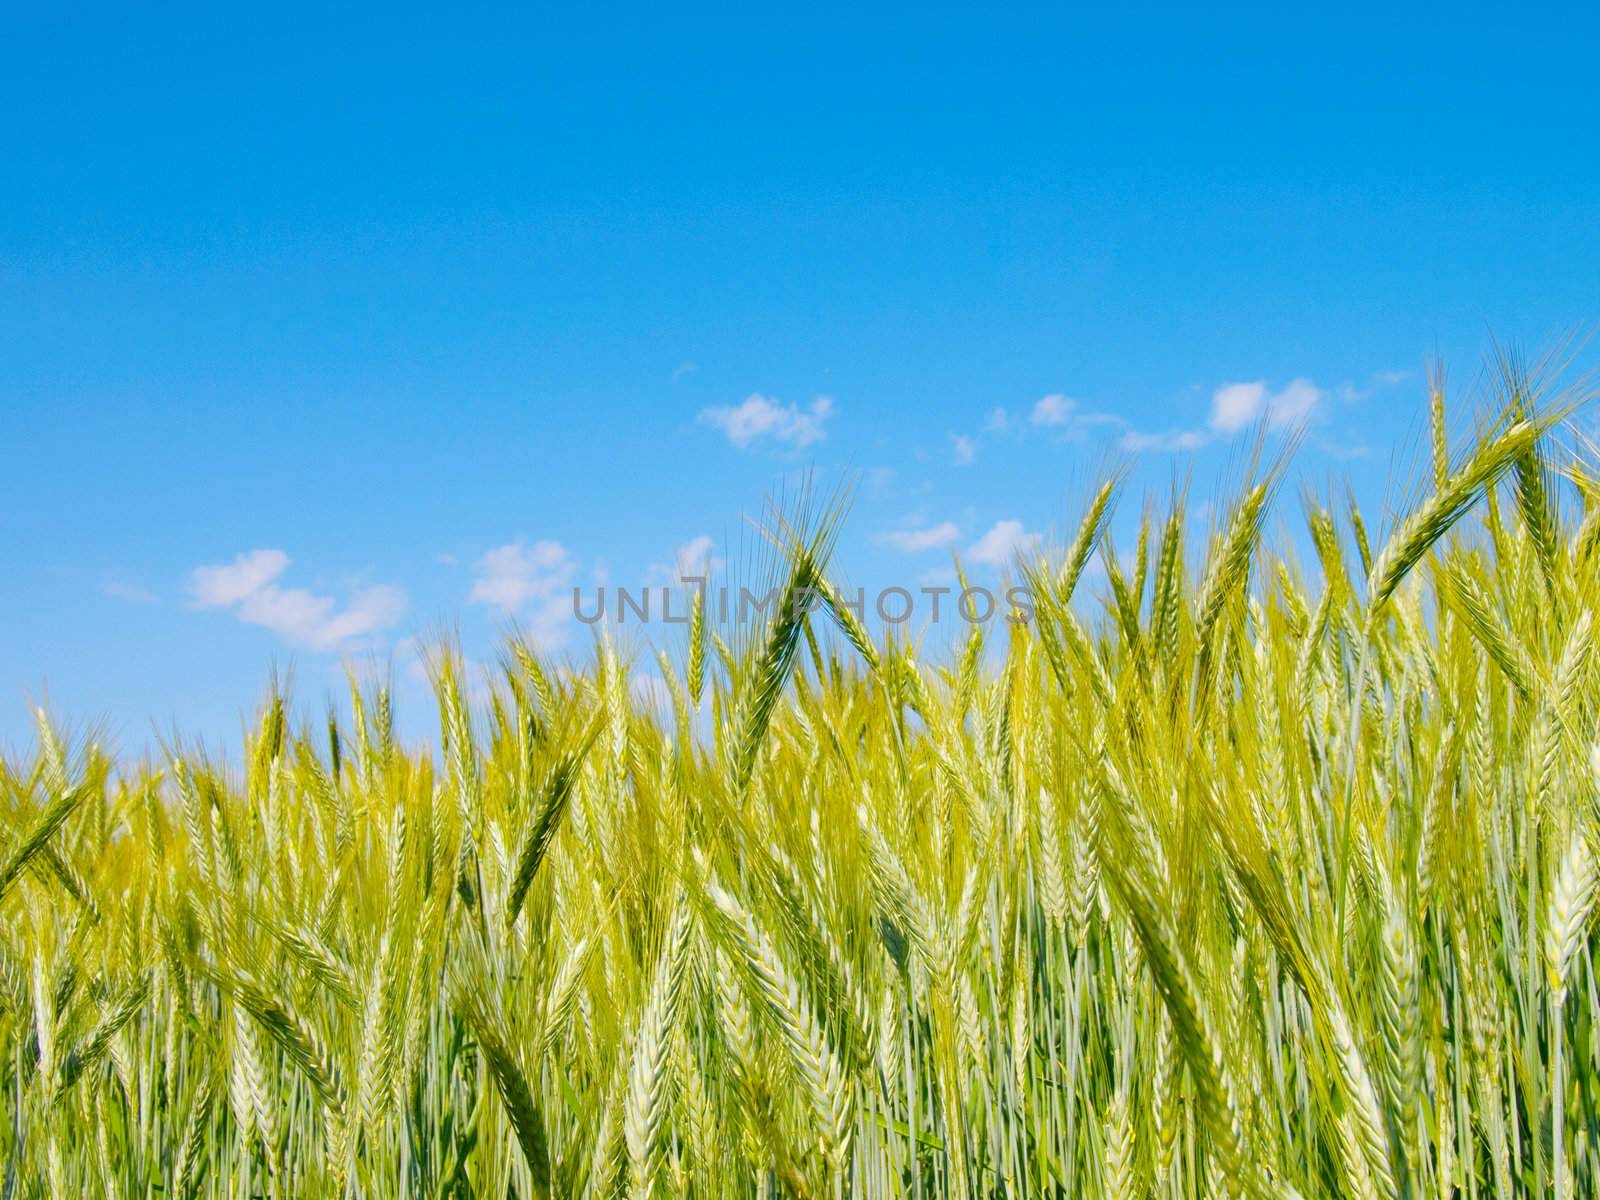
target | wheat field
[{"x": 1225, "y": 874}]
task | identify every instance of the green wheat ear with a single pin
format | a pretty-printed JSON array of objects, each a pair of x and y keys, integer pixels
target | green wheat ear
[
  {"x": 697, "y": 644},
  {"x": 553, "y": 799},
  {"x": 1416, "y": 535},
  {"x": 35, "y": 842},
  {"x": 806, "y": 554}
]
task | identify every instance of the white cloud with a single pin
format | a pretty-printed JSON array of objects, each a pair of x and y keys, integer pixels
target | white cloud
[
  {"x": 249, "y": 586},
  {"x": 306, "y": 619},
  {"x": 963, "y": 448},
  {"x": 509, "y": 576},
  {"x": 999, "y": 421},
  {"x": 1004, "y": 541},
  {"x": 1294, "y": 404},
  {"x": 760, "y": 418},
  {"x": 532, "y": 582},
  {"x": 1053, "y": 409},
  {"x": 218, "y": 587},
  {"x": 913, "y": 540},
  {"x": 1235, "y": 405}
]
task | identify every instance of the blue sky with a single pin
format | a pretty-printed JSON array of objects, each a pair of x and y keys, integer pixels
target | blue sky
[{"x": 322, "y": 332}]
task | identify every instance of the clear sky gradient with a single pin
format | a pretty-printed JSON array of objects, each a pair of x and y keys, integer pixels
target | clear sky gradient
[{"x": 320, "y": 332}]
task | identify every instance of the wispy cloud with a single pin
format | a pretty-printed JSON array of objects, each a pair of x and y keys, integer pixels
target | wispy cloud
[
  {"x": 1345, "y": 452},
  {"x": 694, "y": 559},
  {"x": 121, "y": 589},
  {"x": 1170, "y": 442},
  {"x": 912, "y": 541},
  {"x": 1002, "y": 543},
  {"x": 309, "y": 620},
  {"x": 763, "y": 420},
  {"x": 1354, "y": 393},
  {"x": 1054, "y": 409}
]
